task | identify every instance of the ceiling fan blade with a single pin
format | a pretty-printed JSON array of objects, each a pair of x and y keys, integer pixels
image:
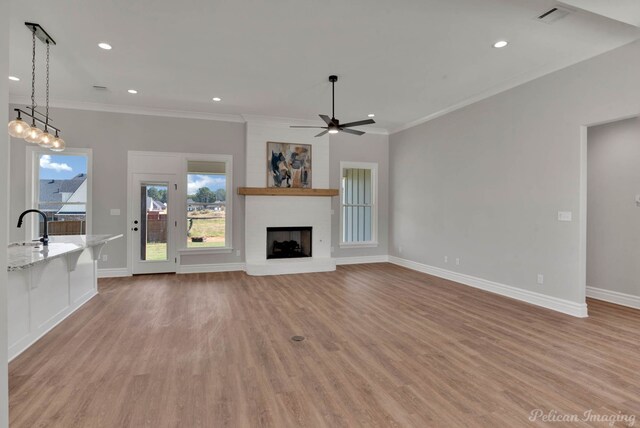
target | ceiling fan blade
[
  {"x": 361, "y": 122},
  {"x": 322, "y": 133},
  {"x": 350, "y": 131},
  {"x": 314, "y": 127},
  {"x": 326, "y": 118}
]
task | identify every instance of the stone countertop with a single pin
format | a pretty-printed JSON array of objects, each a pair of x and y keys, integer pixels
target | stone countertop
[{"x": 23, "y": 256}]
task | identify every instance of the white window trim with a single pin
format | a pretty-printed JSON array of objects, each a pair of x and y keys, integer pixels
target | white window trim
[
  {"x": 32, "y": 193},
  {"x": 228, "y": 229},
  {"x": 373, "y": 166}
]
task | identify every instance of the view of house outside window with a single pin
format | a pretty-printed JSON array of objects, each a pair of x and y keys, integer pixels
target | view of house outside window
[
  {"x": 206, "y": 204},
  {"x": 62, "y": 193}
]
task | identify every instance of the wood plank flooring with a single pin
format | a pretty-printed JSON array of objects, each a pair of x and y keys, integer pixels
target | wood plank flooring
[{"x": 385, "y": 346}]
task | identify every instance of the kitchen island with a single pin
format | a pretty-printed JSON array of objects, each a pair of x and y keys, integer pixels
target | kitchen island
[{"x": 48, "y": 283}]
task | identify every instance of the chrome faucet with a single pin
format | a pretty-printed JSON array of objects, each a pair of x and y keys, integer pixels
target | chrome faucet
[{"x": 45, "y": 235}]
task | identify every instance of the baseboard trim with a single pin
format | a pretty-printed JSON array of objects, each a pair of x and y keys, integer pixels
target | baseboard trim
[
  {"x": 361, "y": 260},
  {"x": 616, "y": 297},
  {"x": 538, "y": 299},
  {"x": 211, "y": 268},
  {"x": 113, "y": 273}
]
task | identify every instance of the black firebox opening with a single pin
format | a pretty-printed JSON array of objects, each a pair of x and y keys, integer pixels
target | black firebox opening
[{"x": 288, "y": 242}]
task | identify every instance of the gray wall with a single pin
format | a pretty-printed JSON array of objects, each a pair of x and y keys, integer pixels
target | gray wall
[
  {"x": 485, "y": 183},
  {"x": 366, "y": 148},
  {"x": 613, "y": 218},
  {"x": 111, "y": 136},
  {"x": 4, "y": 187}
]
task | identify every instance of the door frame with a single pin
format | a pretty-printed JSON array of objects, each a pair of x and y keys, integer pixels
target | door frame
[
  {"x": 133, "y": 193},
  {"x": 582, "y": 220}
]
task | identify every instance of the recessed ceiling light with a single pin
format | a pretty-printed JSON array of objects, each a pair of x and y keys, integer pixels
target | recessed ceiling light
[
  {"x": 105, "y": 46},
  {"x": 14, "y": 78},
  {"x": 217, "y": 99},
  {"x": 500, "y": 44},
  {"x": 371, "y": 115},
  {"x": 132, "y": 91}
]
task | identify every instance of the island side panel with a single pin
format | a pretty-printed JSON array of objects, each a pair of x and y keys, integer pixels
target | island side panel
[
  {"x": 83, "y": 280},
  {"x": 19, "y": 323},
  {"x": 43, "y": 295}
]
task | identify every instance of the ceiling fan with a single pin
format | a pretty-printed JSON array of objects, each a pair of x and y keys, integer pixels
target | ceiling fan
[{"x": 333, "y": 124}]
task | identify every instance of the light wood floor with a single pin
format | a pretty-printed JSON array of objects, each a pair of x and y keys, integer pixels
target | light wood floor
[{"x": 385, "y": 346}]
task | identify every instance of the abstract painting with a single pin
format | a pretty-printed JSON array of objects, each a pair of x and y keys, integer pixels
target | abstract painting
[{"x": 288, "y": 165}]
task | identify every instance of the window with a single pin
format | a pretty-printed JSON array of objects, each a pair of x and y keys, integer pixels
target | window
[
  {"x": 208, "y": 211},
  {"x": 358, "y": 211},
  {"x": 60, "y": 187}
]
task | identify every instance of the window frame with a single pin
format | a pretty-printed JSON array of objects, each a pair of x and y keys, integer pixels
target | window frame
[
  {"x": 228, "y": 226},
  {"x": 373, "y": 167},
  {"x": 32, "y": 194}
]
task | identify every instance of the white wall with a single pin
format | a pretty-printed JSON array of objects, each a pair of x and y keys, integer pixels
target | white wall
[
  {"x": 4, "y": 197},
  {"x": 485, "y": 183},
  {"x": 111, "y": 136},
  {"x": 613, "y": 218}
]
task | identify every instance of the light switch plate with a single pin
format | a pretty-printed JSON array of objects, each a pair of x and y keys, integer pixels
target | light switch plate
[
  {"x": 564, "y": 216},
  {"x": 115, "y": 211}
]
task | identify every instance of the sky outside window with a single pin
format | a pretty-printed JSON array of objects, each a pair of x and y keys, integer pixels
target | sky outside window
[{"x": 61, "y": 167}]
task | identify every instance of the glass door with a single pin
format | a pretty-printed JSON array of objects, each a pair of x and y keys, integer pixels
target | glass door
[{"x": 153, "y": 224}]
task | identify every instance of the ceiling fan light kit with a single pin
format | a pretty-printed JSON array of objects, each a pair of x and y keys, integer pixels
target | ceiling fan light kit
[
  {"x": 18, "y": 128},
  {"x": 333, "y": 124}
]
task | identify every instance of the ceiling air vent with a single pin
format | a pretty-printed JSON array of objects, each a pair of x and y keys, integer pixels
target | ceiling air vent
[
  {"x": 99, "y": 88},
  {"x": 553, "y": 15}
]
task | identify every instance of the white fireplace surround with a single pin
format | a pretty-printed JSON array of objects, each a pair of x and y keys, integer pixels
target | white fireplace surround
[{"x": 262, "y": 212}]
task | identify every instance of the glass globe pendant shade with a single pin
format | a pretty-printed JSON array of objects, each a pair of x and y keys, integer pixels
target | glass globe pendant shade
[
  {"x": 46, "y": 140},
  {"x": 58, "y": 145},
  {"x": 33, "y": 135},
  {"x": 18, "y": 128}
]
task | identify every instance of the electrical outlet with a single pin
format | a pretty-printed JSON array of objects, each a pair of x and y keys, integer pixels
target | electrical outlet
[
  {"x": 457, "y": 261},
  {"x": 237, "y": 253},
  {"x": 446, "y": 259},
  {"x": 400, "y": 249},
  {"x": 105, "y": 257},
  {"x": 564, "y": 216},
  {"x": 540, "y": 278}
]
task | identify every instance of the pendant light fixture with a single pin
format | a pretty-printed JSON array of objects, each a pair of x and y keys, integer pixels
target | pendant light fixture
[{"x": 18, "y": 128}]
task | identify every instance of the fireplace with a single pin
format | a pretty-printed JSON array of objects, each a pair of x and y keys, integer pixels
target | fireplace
[{"x": 288, "y": 242}]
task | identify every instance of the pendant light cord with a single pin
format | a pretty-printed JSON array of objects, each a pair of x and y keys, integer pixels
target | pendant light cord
[
  {"x": 46, "y": 124},
  {"x": 33, "y": 77}
]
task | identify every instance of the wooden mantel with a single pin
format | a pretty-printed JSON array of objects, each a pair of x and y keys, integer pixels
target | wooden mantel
[{"x": 285, "y": 191}]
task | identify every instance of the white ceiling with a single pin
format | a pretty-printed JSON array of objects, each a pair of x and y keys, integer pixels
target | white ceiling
[{"x": 403, "y": 60}]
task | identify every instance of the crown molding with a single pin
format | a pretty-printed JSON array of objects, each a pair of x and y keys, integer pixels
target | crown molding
[
  {"x": 286, "y": 122},
  {"x": 278, "y": 121},
  {"x": 146, "y": 111}
]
